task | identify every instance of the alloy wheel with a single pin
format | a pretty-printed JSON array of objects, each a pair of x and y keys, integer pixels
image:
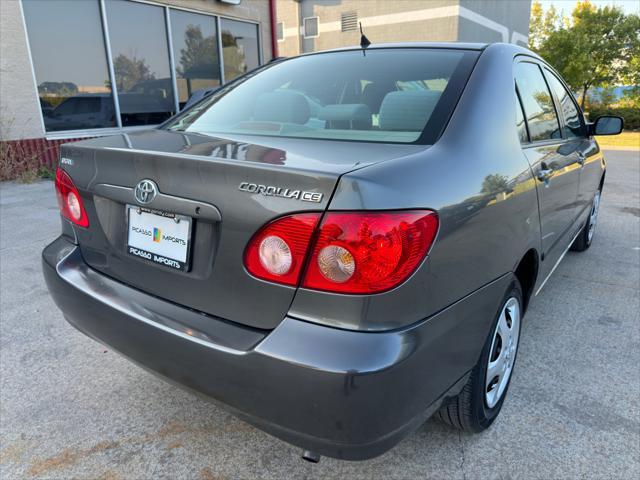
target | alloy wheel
[
  {"x": 593, "y": 216},
  {"x": 503, "y": 352}
]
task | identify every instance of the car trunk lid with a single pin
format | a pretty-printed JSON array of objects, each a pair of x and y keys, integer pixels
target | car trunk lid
[{"x": 224, "y": 189}]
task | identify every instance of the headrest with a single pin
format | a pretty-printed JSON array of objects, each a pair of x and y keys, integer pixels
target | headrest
[
  {"x": 282, "y": 106},
  {"x": 374, "y": 93},
  {"x": 355, "y": 116},
  {"x": 407, "y": 110}
]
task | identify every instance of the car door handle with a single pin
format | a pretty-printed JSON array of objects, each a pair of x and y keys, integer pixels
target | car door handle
[
  {"x": 581, "y": 158},
  {"x": 544, "y": 173}
]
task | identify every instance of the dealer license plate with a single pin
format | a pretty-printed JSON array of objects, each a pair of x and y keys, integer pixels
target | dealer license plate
[{"x": 159, "y": 237}]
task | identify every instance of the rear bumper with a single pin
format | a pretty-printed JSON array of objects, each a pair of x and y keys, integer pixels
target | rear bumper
[{"x": 345, "y": 394}]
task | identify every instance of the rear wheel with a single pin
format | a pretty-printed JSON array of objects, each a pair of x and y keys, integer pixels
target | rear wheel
[
  {"x": 584, "y": 239},
  {"x": 478, "y": 404}
]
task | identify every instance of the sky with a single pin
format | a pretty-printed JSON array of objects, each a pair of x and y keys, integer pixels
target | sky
[{"x": 628, "y": 6}]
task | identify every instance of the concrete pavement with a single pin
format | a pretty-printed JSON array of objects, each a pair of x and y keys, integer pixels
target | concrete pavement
[{"x": 70, "y": 407}]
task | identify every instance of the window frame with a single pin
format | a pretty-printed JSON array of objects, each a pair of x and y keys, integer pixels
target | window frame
[
  {"x": 524, "y": 117},
  {"x": 96, "y": 132},
  {"x": 304, "y": 27}
]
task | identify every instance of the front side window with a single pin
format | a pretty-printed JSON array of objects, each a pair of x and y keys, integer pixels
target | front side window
[
  {"x": 70, "y": 64},
  {"x": 141, "y": 62},
  {"x": 573, "y": 127},
  {"x": 240, "y": 47},
  {"x": 389, "y": 95},
  {"x": 537, "y": 102}
]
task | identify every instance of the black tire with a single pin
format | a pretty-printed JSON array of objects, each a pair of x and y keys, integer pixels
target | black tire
[
  {"x": 583, "y": 240},
  {"x": 468, "y": 411}
]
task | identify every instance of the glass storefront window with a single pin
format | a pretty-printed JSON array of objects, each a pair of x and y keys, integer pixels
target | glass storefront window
[
  {"x": 240, "y": 48},
  {"x": 70, "y": 64},
  {"x": 140, "y": 62},
  {"x": 76, "y": 76},
  {"x": 195, "y": 52}
]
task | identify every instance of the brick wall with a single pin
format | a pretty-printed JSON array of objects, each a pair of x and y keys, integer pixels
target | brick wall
[{"x": 20, "y": 156}]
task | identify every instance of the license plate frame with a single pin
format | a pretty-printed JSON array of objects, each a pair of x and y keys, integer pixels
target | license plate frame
[{"x": 144, "y": 251}]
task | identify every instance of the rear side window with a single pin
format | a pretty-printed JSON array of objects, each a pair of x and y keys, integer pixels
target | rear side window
[
  {"x": 573, "y": 127},
  {"x": 537, "y": 103},
  {"x": 387, "y": 95}
]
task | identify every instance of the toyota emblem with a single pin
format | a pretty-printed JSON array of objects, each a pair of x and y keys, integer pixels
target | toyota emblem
[{"x": 146, "y": 191}]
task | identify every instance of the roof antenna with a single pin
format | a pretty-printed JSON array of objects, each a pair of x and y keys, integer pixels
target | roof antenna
[{"x": 364, "y": 41}]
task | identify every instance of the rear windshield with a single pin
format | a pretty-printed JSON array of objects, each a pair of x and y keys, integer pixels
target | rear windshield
[{"x": 381, "y": 95}]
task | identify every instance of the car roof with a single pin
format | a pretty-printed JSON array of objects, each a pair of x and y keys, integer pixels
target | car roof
[
  {"x": 494, "y": 46},
  {"x": 449, "y": 45}
]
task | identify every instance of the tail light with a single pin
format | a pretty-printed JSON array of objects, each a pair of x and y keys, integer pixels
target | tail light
[
  {"x": 352, "y": 252},
  {"x": 369, "y": 252},
  {"x": 277, "y": 252},
  {"x": 69, "y": 200}
]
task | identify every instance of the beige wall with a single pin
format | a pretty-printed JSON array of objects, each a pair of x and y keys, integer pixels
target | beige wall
[
  {"x": 387, "y": 21},
  {"x": 19, "y": 105},
  {"x": 383, "y": 22},
  {"x": 288, "y": 12}
]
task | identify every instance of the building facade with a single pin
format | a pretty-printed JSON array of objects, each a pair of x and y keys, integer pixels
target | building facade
[
  {"x": 80, "y": 68},
  {"x": 74, "y": 69},
  {"x": 312, "y": 25}
]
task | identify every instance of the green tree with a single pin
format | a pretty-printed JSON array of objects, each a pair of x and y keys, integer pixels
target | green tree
[
  {"x": 200, "y": 54},
  {"x": 542, "y": 23},
  {"x": 234, "y": 59},
  {"x": 130, "y": 71},
  {"x": 594, "y": 48},
  {"x": 631, "y": 77},
  {"x": 495, "y": 183}
]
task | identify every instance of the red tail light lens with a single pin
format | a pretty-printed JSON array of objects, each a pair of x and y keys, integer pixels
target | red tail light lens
[
  {"x": 69, "y": 199},
  {"x": 353, "y": 252},
  {"x": 369, "y": 252},
  {"x": 277, "y": 252}
]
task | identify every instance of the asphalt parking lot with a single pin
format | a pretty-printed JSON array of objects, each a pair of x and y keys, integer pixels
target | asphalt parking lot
[{"x": 71, "y": 408}]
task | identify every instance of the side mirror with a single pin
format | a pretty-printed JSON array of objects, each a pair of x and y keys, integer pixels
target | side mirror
[{"x": 607, "y": 125}]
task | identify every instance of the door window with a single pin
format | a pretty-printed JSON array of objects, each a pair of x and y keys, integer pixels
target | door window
[
  {"x": 537, "y": 102},
  {"x": 573, "y": 127}
]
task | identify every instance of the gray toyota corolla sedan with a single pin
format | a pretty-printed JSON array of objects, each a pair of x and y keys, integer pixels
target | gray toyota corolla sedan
[{"x": 339, "y": 245}]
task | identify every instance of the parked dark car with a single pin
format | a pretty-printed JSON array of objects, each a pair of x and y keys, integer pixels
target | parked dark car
[{"x": 339, "y": 246}]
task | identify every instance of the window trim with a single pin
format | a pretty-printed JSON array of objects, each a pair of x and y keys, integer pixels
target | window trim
[
  {"x": 172, "y": 63},
  {"x": 110, "y": 66},
  {"x": 304, "y": 27},
  {"x": 119, "y": 128},
  {"x": 524, "y": 117}
]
